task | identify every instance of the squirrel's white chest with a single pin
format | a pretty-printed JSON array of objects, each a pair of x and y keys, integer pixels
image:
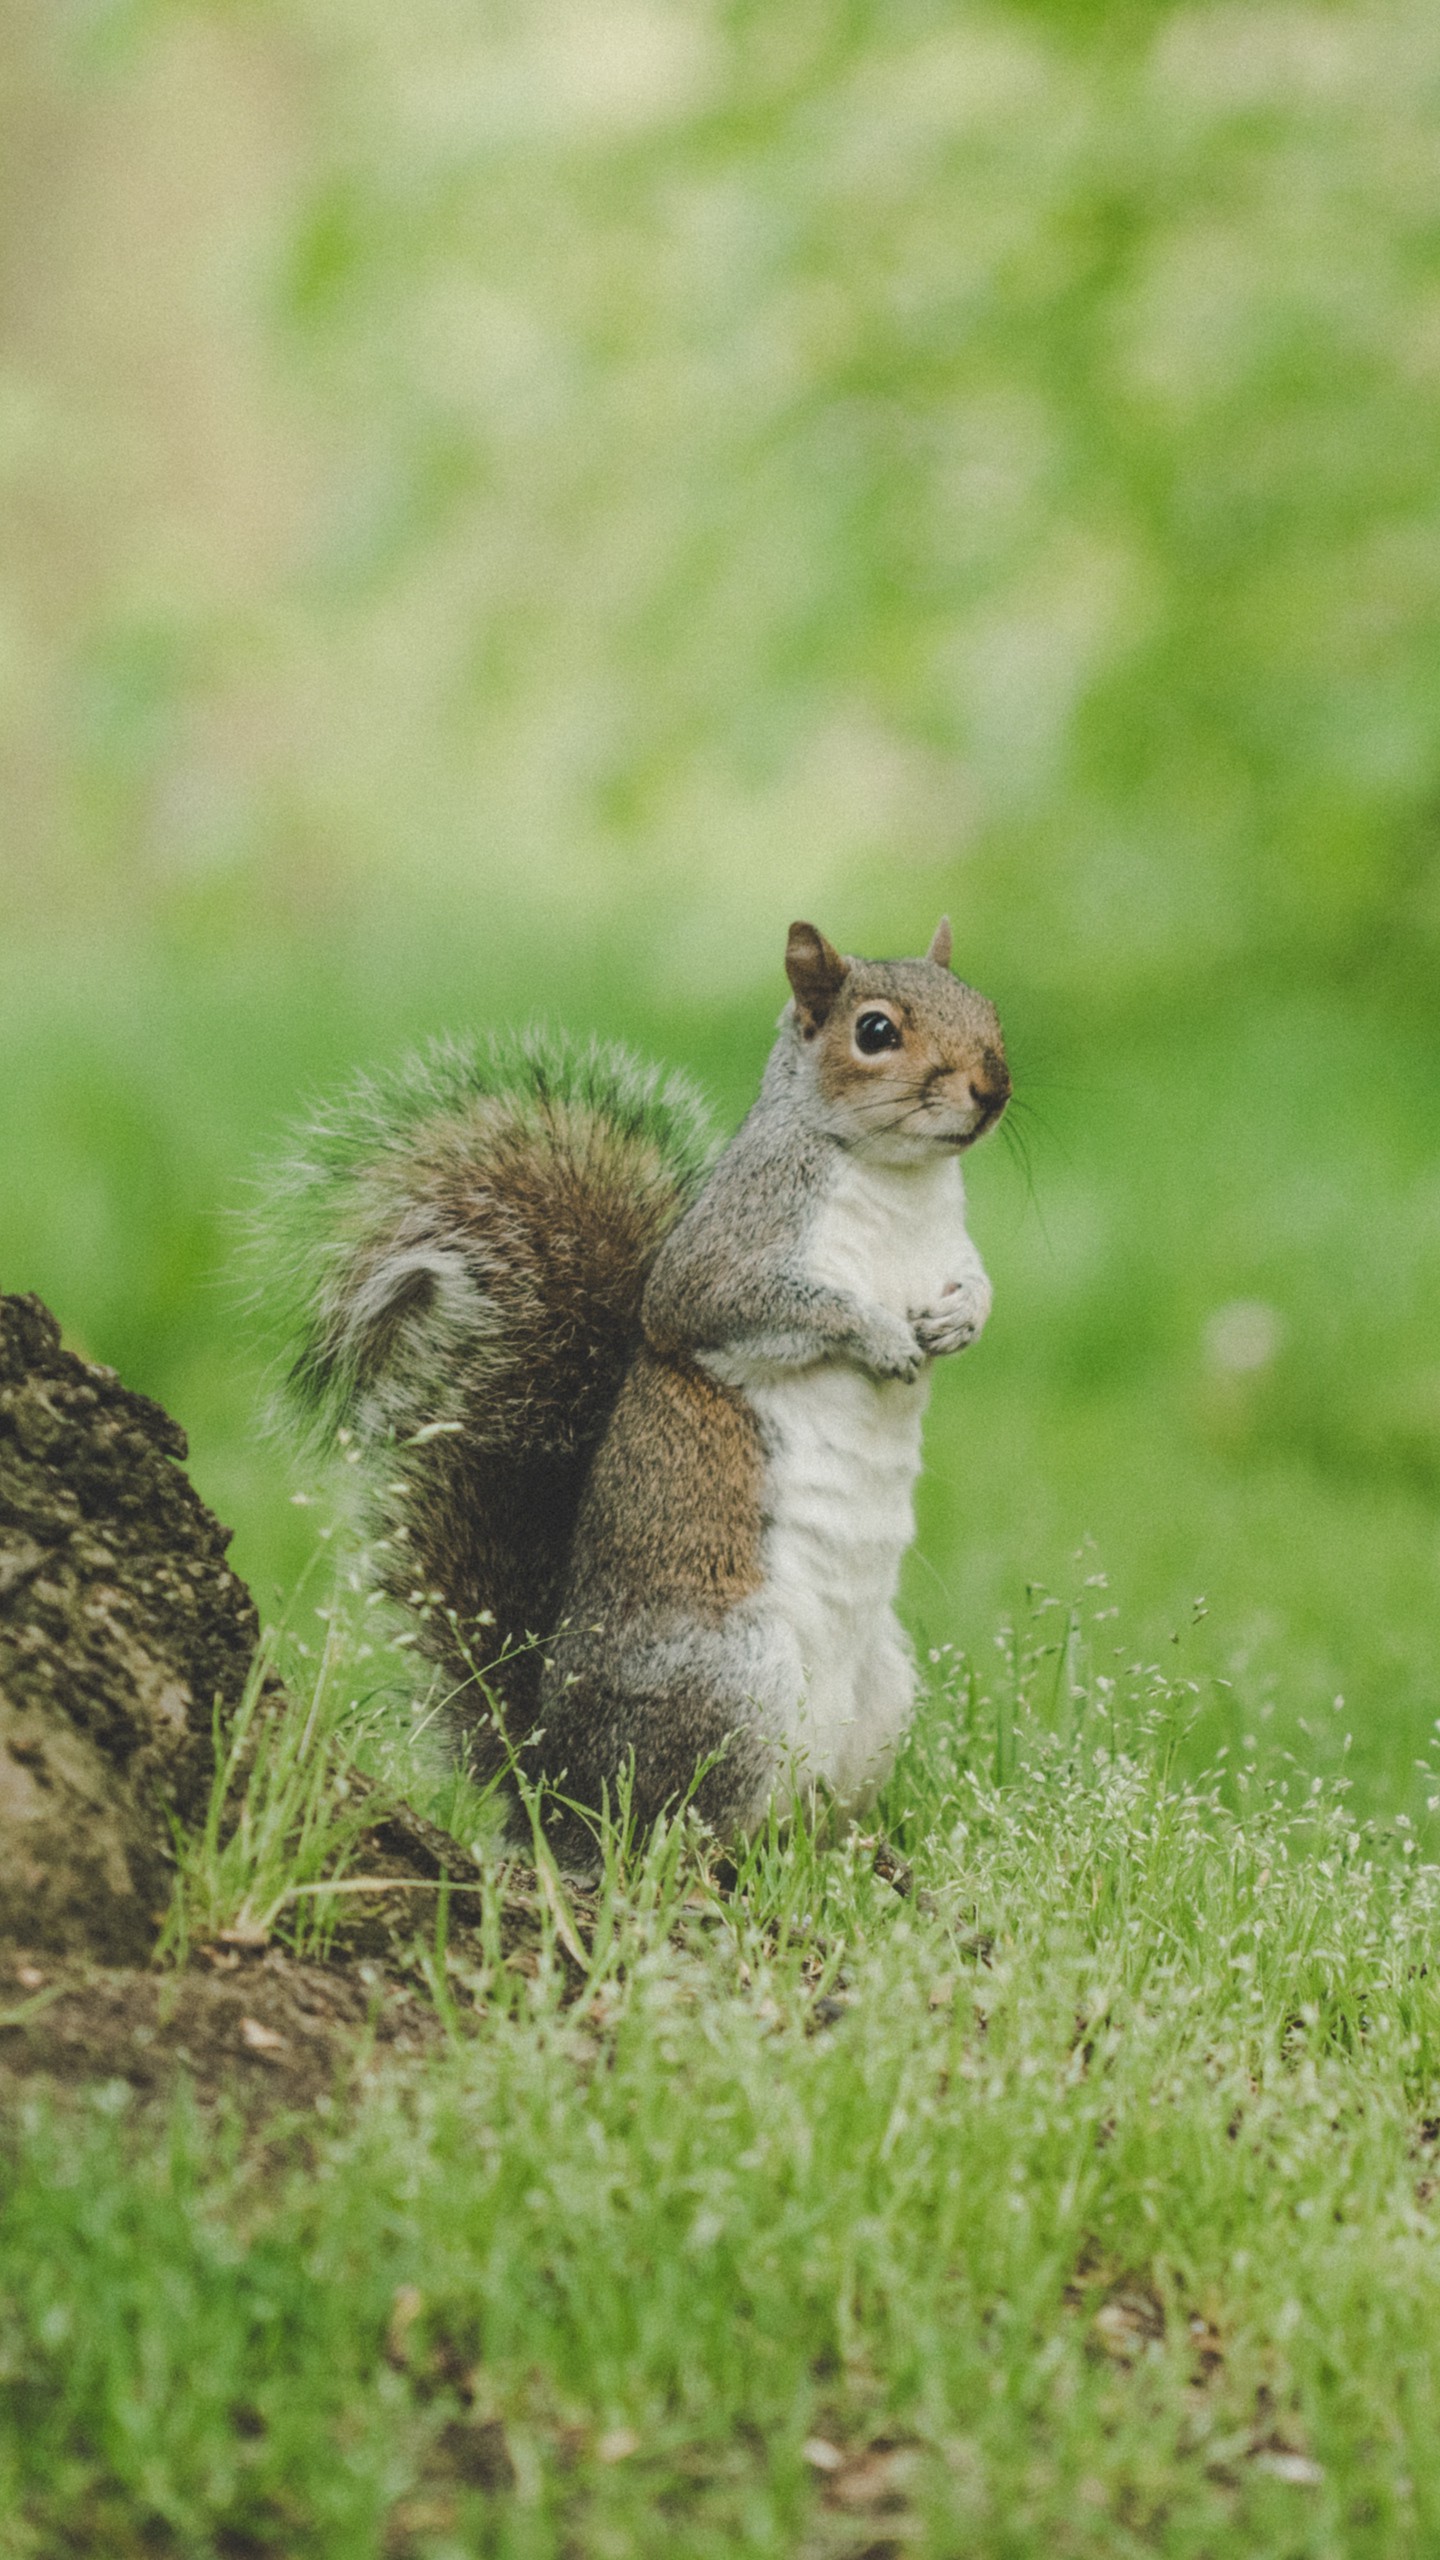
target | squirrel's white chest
[
  {"x": 843, "y": 1451},
  {"x": 891, "y": 1233}
]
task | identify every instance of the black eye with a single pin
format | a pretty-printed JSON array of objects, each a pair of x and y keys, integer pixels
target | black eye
[{"x": 874, "y": 1032}]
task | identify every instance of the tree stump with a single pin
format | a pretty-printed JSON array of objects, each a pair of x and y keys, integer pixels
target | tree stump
[{"x": 121, "y": 1627}]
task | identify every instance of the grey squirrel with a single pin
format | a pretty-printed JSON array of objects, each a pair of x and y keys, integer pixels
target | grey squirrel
[{"x": 640, "y": 1425}]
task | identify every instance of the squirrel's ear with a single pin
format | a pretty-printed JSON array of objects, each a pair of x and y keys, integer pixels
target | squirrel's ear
[
  {"x": 939, "y": 950},
  {"x": 816, "y": 973}
]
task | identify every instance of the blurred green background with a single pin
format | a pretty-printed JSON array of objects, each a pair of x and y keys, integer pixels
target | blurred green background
[{"x": 504, "y": 505}]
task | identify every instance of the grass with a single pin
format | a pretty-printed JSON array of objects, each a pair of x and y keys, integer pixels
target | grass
[
  {"x": 281, "y": 1823},
  {"x": 1080, "y": 2204}
]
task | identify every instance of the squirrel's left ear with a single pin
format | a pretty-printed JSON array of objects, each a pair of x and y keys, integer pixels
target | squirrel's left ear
[
  {"x": 816, "y": 973},
  {"x": 939, "y": 950}
]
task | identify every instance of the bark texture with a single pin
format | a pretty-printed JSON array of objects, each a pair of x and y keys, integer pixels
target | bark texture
[{"x": 120, "y": 1626}]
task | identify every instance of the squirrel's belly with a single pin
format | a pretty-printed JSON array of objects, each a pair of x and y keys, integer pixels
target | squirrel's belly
[{"x": 842, "y": 1456}]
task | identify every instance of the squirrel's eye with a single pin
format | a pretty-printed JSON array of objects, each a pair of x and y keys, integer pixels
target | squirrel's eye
[{"x": 874, "y": 1032}]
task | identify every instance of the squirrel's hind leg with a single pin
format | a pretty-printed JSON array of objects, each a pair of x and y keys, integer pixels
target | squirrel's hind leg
[{"x": 677, "y": 1710}]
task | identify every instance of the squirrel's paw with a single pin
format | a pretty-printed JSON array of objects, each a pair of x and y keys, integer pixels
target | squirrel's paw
[
  {"x": 894, "y": 1349},
  {"x": 956, "y": 1318}
]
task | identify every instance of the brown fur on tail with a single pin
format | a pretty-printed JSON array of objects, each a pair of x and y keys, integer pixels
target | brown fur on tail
[{"x": 470, "y": 1247}]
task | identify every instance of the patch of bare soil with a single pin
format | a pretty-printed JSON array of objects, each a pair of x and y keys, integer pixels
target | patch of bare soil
[
  {"x": 255, "y": 2026},
  {"x": 269, "y": 2032}
]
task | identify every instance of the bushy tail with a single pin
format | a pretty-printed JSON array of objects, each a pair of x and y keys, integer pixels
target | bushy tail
[{"x": 456, "y": 1253}]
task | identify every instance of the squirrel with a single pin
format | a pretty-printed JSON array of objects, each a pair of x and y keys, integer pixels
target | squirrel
[{"x": 641, "y": 1423}]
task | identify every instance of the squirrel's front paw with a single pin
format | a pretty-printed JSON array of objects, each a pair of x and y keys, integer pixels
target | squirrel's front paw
[
  {"x": 894, "y": 1350},
  {"x": 956, "y": 1317}
]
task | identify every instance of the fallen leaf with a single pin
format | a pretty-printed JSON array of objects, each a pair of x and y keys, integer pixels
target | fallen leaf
[
  {"x": 617, "y": 2445},
  {"x": 261, "y": 2039},
  {"x": 821, "y": 2454},
  {"x": 1297, "y": 2468}
]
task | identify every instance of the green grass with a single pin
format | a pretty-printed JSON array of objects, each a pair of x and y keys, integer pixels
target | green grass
[
  {"x": 1087, "y": 2213},
  {"x": 282, "y": 1820}
]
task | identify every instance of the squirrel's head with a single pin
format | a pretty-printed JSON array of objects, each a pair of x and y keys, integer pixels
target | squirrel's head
[{"x": 907, "y": 1060}]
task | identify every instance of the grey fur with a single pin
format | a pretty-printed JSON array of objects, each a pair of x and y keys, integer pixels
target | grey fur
[{"x": 732, "y": 1271}]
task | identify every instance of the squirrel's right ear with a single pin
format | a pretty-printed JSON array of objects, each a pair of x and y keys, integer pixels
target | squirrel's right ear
[{"x": 816, "y": 973}]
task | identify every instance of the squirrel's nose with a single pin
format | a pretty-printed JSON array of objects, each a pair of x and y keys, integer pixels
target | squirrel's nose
[{"x": 991, "y": 1092}]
